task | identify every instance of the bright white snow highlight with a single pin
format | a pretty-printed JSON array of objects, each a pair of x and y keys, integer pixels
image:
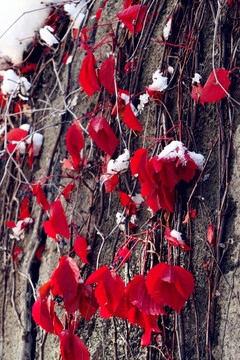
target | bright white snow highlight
[{"x": 159, "y": 82}]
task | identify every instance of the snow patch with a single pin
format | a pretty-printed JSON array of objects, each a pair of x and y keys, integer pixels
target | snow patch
[
  {"x": 159, "y": 82},
  {"x": 119, "y": 165}
]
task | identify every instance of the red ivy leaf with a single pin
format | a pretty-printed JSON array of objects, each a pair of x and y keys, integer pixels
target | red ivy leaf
[
  {"x": 43, "y": 311},
  {"x": 175, "y": 240},
  {"x": 68, "y": 189},
  {"x": 147, "y": 322},
  {"x": 24, "y": 209},
  {"x": 212, "y": 91},
  {"x": 40, "y": 196},
  {"x": 106, "y": 75},
  {"x": 75, "y": 142},
  {"x": 17, "y": 254},
  {"x": 129, "y": 16},
  {"x": 170, "y": 285},
  {"x": 102, "y": 134},
  {"x": 10, "y": 224},
  {"x": 80, "y": 248},
  {"x": 87, "y": 76},
  {"x": 39, "y": 252},
  {"x": 64, "y": 280},
  {"x": 110, "y": 292},
  {"x": 88, "y": 304},
  {"x": 57, "y": 223},
  {"x": 138, "y": 295},
  {"x": 72, "y": 347},
  {"x": 210, "y": 235},
  {"x": 128, "y": 202},
  {"x": 16, "y": 134},
  {"x": 130, "y": 118},
  {"x": 110, "y": 183}
]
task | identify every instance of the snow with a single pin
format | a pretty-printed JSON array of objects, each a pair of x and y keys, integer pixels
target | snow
[
  {"x": 143, "y": 101},
  {"x": 76, "y": 13},
  {"x": 176, "y": 149},
  {"x": 196, "y": 79},
  {"x": 18, "y": 26},
  {"x": 125, "y": 98},
  {"x": 177, "y": 235},
  {"x": 120, "y": 219},
  {"x": 138, "y": 199},
  {"x": 159, "y": 82},
  {"x": 13, "y": 83},
  {"x": 167, "y": 29},
  {"x": 119, "y": 165},
  {"x": 36, "y": 139},
  {"x": 47, "y": 36}
]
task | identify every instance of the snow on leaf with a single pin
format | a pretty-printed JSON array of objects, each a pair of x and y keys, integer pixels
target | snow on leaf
[
  {"x": 57, "y": 223},
  {"x": 102, "y": 134},
  {"x": 130, "y": 118},
  {"x": 40, "y": 196},
  {"x": 46, "y": 34},
  {"x": 175, "y": 239},
  {"x": 87, "y": 76},
  {"x": 106, "y": 75},
  {"x": 72, "y": 347},
  {"x": 170, "y": 285},
  {"x": 75, "y": 142},
  {"x": 80, "y": 248},
  {"x": 130, "y": 15}
]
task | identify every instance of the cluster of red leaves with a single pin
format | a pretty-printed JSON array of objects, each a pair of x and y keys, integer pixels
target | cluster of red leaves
[
  {"x": 216, "y": 87},
  {"x": 159, "y": 176},
  {"x": 141, "y": 302},
  {"x": 76, "y": 295},
  {"x": 57, "y": 223}
]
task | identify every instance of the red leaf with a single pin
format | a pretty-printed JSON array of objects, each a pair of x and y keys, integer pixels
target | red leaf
[
  {"x": 80, "y": 248},
  {"x": 175, "y": 239},
  {"x": 147, "y": 322},
  {"x": 39, "y": 252},
  {"x": 72, "y": 347},
  {"x": 130, "y": 119},
  {"x": 110, "y": 183},
  {"x": 24, "y": 209},
  {"x": 110, "y": 292},
  {"x": 10, "y": 224},
  {"x": 88, "y": 304},
  {"x": 170, "y": 285},
  {"x": 197, "y": 93},
  {"x": 64, "y": 280},
  {"x": 106, "y": 75},
  {"x": 16, "y": 134},
  {"x": 211, "y": 235},
  {"x": 68, "y": 189},
  {"x": 87, "y": 76},
  {"x": 130, "y": 15},
  {"x": 98, "y": 14},
  {"x": 43, "y": 311},
  {"x": 30, "y": 156},
  {"x": 75, "y": 142},
  {"x": 17, "y": 254},
  {"x": 102, "y": 134},
  {"x": 138, "y": 295},
  {"x": 212, "y": 91},
  {"x": 57, "y": 223},
  {"x": 40, "y": 196},
  {"x": 128, "y": 202}
]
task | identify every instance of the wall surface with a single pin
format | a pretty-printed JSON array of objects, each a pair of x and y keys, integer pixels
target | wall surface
[{"x": 204, "y": 36}]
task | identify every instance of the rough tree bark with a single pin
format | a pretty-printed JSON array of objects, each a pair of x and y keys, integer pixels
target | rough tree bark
[{"x": 204, "y": 35}]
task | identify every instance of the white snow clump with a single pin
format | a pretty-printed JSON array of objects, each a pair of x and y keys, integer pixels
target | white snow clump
[
  {"x": 76, "y": 13},
  {"x": 13, "y": 83},
  {"x": 167, "y": 29},
  {"x": 46, "y": 34},
  {"x": 196, "y": 79},
  {"x": 159, "y": 82},
  {"x": 119, "y": 165}
]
